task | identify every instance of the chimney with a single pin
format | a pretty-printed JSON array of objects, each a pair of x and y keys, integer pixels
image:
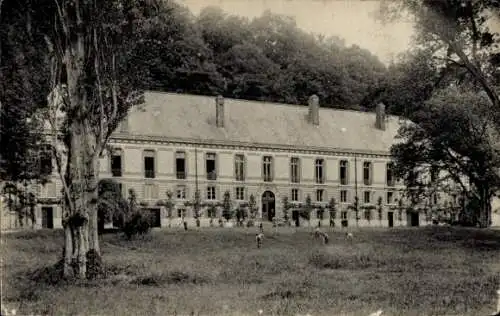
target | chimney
[
  {"x": 380, "y": 116},
  {"x": 219, "y": 111},
  {"x": 314, "y": 109}
]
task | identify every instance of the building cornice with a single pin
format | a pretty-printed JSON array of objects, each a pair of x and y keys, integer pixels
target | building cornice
[{"x": 234, "y": 145}]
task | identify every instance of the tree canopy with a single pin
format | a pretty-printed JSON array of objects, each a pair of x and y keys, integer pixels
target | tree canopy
[
  {"x": 448, "y": 87},
  {"x": 267, "y": 58}
]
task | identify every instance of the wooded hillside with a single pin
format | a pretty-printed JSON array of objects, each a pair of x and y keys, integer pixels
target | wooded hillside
[{"x": 267, "y": 58}]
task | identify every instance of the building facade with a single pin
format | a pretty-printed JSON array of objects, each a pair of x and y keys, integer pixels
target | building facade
[{"x": 183, "y": 143}]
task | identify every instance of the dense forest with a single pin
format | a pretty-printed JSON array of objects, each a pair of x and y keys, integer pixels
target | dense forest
[{"x": 267, "y": 58}]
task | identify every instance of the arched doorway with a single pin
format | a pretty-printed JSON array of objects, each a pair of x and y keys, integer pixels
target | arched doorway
[{"x": 268, "y": 205}]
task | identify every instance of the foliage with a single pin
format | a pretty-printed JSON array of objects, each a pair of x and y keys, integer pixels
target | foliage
[
  {"x": 306, "y": 208},
  {"x": 380, "y": 208},
  {"x": 355, "y": 207},
  {"x": 212, "y": 211},
  {"x": 456, "y": 143},
  {"x": 252, "y": 207},
  {"x": 112, "y": 207},
  {"x": 399, "y": 208},
  {"x": 197, "y": 204},
  {"x": 241, "y": 213},
  {"x": 169, "y": 204},
  {"x": 227, "y": 211},
  {"x": 332, "y": 208},
  {"x": 267, "y": 58},
  {"x": 20, "y": 201},
  {"x": 460, "y": 36},
  {"x": 320, "y": 212},
  {"x": 137, "y": 224},
  {"x": 367, "y": 209},
  {"x": 286, "y": 207}
]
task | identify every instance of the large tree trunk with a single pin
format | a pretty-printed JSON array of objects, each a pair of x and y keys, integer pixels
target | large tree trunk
[
  {"x": 68, "y": 251},
  {"x": 83, "y": 173},
  {"x": 484, "y": 207}
]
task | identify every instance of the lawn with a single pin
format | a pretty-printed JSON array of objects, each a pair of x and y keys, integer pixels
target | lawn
[{"x": 424, "y": 271}]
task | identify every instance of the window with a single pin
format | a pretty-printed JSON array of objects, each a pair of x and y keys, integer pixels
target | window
[
  {"x": 120, "y": 187},
  {"x": 150, "y": 191},
  {"x": 343, "y": 196},
  {"x": 367, "y": 173},
  {"x": 239, "y": 167},
  {"x": 181, "y": 192},
  {"x": 211, "y": 212},
  {"x": 390, "y": 197},
  {"x": 319, "y": 173},
  {"x": 295, "y": 170},
  {"x": 435, "y": 198},
  {"x": 210, "y": 193},
  {"x": 240, "y": 193},
  {"x": 116, "y": 163},
  {"x": 267, "y": 168},
  {"x": 295, "y": 195},
  {"x": 149, "y": 164},
  {"x": 181, "y": 212},
  {"x": 49, "y": 190},
  {"x": 45, "y": 159},
  {"x": 390, "y": 174},
  {"x": 367, "y": 197},
  {"x": 319, "y": 195},
  {"x": 367, "y": 215},
  {"x": 434, "y": 174},
  {"x": 210, "y": 167},
  {"x": 343, "y": 215},
  {"x": 343, "y": 172},
  {"x": 180, "y": 165},
  {"x": 319, "y": 214}
]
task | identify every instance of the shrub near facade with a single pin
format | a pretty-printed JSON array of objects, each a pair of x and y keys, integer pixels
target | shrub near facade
[
  {"x": 252, "y": 208},
  {"x": 139, "y": 224},
  {"x": 136, "y": 222}
]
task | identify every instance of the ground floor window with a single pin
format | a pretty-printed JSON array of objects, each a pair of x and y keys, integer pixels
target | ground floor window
[
  {"x": 240, "y": 193},
  {"x": 343, "y": 215},
  {"x": 211, "y": 193}
]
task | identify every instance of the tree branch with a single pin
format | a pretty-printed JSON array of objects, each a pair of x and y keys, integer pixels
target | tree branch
[{"x": 475, "y": 72}]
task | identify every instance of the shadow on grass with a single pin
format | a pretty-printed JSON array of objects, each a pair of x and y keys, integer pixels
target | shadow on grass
[{"x": 174, "y": 277}]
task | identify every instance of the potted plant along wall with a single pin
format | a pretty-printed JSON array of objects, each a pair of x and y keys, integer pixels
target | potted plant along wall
[
  {"x": 169, "y": 206},
  {"x": 353, "y": 207},
  {"x": 252, "y": 209},
  {"x": 241, "y": 213},
  {"x": 227, "y": 204},
  {"x": 332, "y": 210},
  {"x": 197, "y": 207},
  {"x": 380, "y": 209},
  {"x": 306, "y": 209},
  {"x": 212, "y": 213},
  {"x": 286, "y": 207}
]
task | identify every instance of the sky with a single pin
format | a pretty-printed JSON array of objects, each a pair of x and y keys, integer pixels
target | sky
[{"x": 351, "y": 20}]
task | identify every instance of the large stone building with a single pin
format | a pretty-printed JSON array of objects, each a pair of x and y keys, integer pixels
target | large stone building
[{"x": 181, "y": 142}]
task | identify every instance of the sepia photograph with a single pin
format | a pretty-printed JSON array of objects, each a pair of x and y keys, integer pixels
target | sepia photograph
[{"x": 250, "y": 157}]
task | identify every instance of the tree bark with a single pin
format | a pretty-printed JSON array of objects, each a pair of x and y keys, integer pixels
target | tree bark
[
  {"x": 68, "y": 251},
  {"x": 485, "y": 207},
  {"x": 92, "y": 198}
]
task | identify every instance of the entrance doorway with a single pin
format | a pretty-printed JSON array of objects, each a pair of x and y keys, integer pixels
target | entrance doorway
[
  {"x": 414, "y": 219},
  {"x": 47, "y": 217},
  {"x": 296, "y": 218},
  {"x": 155, "y": 215},
  {"x": 390, "y": 218},
  {"x": 268, "y": 205}
]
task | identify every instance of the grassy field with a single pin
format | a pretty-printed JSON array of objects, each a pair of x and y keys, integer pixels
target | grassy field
[{"x": 426, "y": 271}]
